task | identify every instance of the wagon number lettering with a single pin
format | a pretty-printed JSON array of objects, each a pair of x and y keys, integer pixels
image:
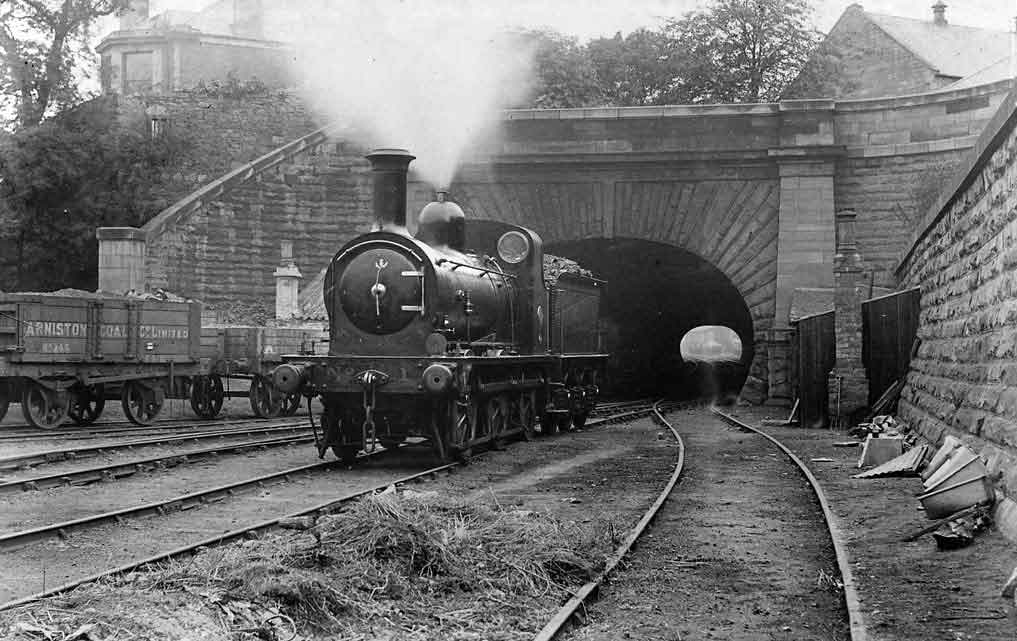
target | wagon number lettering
[{"x": 56, "y": 348}]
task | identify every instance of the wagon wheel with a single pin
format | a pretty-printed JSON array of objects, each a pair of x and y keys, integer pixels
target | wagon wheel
[
  {"x": 496, "y": 416},
  {"x": 579, "y": 420},
  {"x": 207, "y": 395},
  {"x": 564, "y": 422},
  {"x": 42, "y": 407},
  {"x": 87, "y": 403},
  {"x": 290, "y": 404},
  {"x": 266, "y": 401},
  {"x": 141, "y": 403},
  {"x": 526, "y": 409},
  {"x": 5, "y": 402}
]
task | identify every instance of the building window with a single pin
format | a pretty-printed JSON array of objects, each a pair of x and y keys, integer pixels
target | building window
[
  {"x": 158, "y": 126},
  {"x": 138, "y": 68}
]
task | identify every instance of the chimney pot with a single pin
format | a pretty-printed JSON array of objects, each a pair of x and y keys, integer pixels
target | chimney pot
[{"x": 939, "y": 13}]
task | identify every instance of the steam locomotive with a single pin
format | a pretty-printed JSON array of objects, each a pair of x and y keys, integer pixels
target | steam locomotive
[{"x": 465, "y": 347}]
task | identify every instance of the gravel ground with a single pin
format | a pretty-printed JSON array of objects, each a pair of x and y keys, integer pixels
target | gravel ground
[
  {"x": 908, "y": 591},
  {"x": 37, "y": 566}
]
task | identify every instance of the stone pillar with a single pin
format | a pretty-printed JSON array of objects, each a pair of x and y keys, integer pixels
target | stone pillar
[
  {"x": 122, "y": 252},
  {"x": 848, "y": 384},
  {"x": 287, "y": 284},
  {"x": 806, "y": 161}
]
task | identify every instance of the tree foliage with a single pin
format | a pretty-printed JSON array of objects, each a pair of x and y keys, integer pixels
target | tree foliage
[
  {"x": 44, "y": 45},
  {"x": 634, "y": 69},
  {"x": 92, "y": 166},
  {"x": 730, "y": 51},
  {"x": 565, "y": 75},
  {"x": 739, "y": 50}
]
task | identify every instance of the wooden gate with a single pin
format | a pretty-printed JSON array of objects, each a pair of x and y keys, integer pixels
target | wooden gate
[
  {"x": 814, "y": 348},
  {"x": 889, "y": 327}
]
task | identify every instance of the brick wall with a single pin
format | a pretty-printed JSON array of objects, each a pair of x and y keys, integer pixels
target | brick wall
[{"x": 963, "y": 380}]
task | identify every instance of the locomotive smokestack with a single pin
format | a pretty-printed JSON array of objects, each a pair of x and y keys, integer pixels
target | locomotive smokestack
[{"x": 390, "y": 167}]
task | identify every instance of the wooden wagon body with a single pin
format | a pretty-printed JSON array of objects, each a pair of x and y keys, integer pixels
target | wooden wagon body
[{"x": 64, "y": 355}]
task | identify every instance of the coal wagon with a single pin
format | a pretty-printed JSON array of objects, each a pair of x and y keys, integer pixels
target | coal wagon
[
  {"x": 232, "y": 352},
  {"x": 63, "y": 355}
]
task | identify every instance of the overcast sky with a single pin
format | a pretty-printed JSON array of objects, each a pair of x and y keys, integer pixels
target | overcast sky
[{"x": 592, "y": 18}]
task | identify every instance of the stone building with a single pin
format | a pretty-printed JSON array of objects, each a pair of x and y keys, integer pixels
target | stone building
[
  {"x": 177, "y": 50},
  {"x": 880, "y": 55}
]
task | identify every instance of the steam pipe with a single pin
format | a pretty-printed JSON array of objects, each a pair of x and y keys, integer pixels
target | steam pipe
[{"x": 390, "y": 168}]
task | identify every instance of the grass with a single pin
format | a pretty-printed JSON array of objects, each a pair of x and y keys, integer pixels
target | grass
[{"x": 391, "y": 566}]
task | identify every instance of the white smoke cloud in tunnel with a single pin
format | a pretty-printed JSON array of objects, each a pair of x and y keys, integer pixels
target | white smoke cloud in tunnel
[
  {"x": 712, "y": 344},
  {"x": 411, "y": 74}
]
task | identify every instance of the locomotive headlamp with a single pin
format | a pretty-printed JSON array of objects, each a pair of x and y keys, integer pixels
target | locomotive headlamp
[{"x": 513, "y": 247}]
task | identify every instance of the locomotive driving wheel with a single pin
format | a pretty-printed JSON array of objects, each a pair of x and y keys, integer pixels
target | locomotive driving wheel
[
  {"x": 141, "y": 402},
  {"x": 290, "y": 404},
  {"x": 462, "y": 425},
  {"x": 266, "y": 401},
  {"x": 43, "y": 408},
  {"x": 497, "y": 418},
  {"x": 87, "y": 402},
  {"x": 207, "y": 395},
  {"x": 526, "y": 413}
]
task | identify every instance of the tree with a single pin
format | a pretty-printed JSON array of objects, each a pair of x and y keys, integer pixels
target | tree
[
  {"x": 632, "y": 70},
  {"x": 90, "y": 166},
  {"x": 565, "y": 75},
  {"x": 43, "y": 45},
  {"x": 738, "y": 50}
]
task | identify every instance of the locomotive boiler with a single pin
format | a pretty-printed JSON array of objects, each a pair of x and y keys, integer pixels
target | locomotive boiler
[{"x": 454, "y": 333}]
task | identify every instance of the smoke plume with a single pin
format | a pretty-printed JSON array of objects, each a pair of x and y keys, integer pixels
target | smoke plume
[{"x": 425, "y": 76}]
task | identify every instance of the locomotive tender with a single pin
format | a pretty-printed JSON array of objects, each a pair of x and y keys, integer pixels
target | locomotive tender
[{"x": 427, "y": 338}]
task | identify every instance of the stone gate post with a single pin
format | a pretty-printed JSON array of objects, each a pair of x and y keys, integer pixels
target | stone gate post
[{"x": 848, "y": 383}]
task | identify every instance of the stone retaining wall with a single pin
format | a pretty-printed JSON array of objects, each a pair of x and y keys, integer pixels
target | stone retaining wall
[{"x": 963, "y": 380}]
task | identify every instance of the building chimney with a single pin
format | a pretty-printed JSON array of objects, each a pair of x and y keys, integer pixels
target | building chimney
[
  {"x": 134, "y": 15},
  {"x": 287, "y": 284},
  {"x": 390, "y": 168},
  {"x": 939, "y": 13}
]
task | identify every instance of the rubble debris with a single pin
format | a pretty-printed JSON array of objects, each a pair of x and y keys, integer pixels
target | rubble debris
[
  {"x": 555, "y": 266},
  {"x": 980, "y": 511},
  {"x": 790, "y": 420},
  {"x": 960, "y": 532},
  {"x": 906, "y": 464},
  {"x": 878, "y": 450},
  {"x": 880, "y": 425}
]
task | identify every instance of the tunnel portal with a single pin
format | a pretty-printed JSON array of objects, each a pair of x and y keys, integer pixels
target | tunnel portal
[{"x": 655, "y": 294}]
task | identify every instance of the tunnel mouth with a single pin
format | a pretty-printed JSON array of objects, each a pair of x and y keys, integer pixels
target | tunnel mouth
[{"x": 656, "y": 294}]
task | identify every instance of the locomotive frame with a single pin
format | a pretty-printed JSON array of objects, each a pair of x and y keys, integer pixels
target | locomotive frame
[{"x": 429, "y": 339}]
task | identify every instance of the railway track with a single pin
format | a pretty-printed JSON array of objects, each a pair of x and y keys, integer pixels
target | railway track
[
  {"x": 27, "y": 459},
  {"x": 618, "y": 613},
  {"x": 75, "y": 551},
  {"x": 127, "y": 429}
]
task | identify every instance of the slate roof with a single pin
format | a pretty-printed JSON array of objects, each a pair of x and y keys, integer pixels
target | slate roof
[{"x": 952, "y": 50}]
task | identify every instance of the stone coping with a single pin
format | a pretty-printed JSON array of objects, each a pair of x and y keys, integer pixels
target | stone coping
[{"x": 759, "y": 109}]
